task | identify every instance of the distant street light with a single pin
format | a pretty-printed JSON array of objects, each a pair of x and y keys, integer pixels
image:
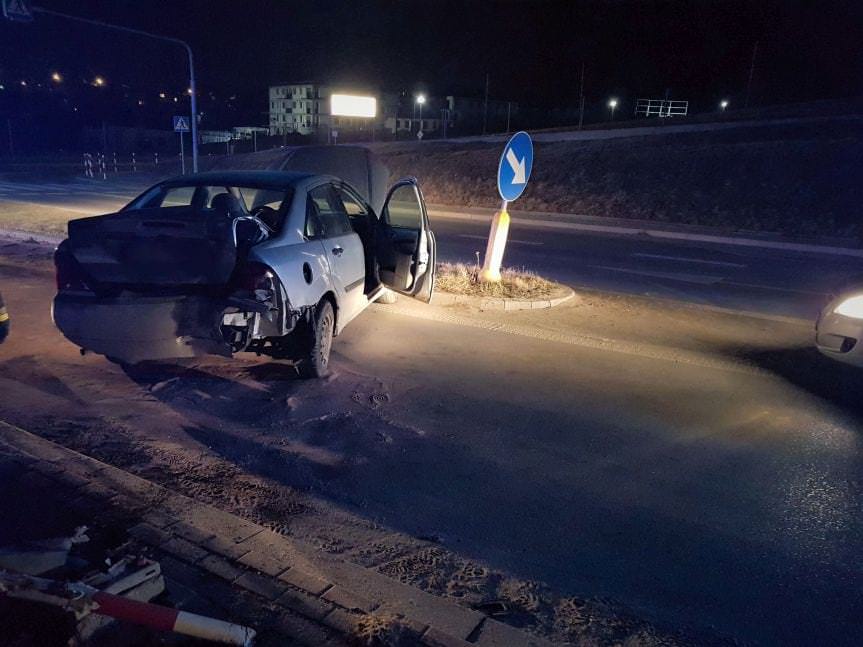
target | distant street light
[
  {"x": 723, "y": 104},
  {"x": 23, "y": 84},
  {"x": 55, "y": 76},
  {"x": 161, "y": 95},
  {"x": 99, "y": 82},
  {"x": 612, "y": 104}
]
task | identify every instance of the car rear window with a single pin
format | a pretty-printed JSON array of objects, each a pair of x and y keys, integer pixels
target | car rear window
[{"x": 270, "y": 204}]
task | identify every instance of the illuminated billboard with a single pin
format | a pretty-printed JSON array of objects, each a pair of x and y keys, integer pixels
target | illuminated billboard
[{"x": 350, "y": 105}]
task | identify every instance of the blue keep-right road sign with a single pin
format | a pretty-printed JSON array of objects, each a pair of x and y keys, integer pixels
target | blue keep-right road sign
[
  {"x": 181, "y": 124},
  {"x": 515, "y": 166}
]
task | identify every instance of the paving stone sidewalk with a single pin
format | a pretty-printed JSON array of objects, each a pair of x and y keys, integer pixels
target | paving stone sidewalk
[{"x": 318, "y": 598}]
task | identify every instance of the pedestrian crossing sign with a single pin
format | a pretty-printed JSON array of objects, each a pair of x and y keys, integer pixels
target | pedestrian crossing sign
[{"x": 181, "y": 124}]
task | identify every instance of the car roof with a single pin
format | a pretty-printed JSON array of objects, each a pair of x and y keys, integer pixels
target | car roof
[{"x": 235, "y": 178}]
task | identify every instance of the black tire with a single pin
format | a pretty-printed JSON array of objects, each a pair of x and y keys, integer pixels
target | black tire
[
  {"x": 388, "y": 297},
  {"x": 315, "y": 359}
]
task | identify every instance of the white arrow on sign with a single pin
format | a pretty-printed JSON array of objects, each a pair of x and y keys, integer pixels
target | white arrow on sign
[{"x": 518, "y": 170}]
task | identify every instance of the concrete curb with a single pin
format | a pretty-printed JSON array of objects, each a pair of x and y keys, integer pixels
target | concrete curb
[
  {"x": 491, "y": 303},
  {"x": 651, "y": 232},
  {"x": 331, "y": 592}
]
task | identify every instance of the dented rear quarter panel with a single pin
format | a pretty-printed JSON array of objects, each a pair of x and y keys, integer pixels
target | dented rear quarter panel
[{"x": 289, "y": 251}]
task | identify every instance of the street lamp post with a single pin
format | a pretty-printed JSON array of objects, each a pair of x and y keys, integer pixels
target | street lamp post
[
  {"x": 612, "y": 104},
  {"x": 723, "y": 105},
  {"x": 138, "y": 32},
  {"x": 421, "y": 99}
]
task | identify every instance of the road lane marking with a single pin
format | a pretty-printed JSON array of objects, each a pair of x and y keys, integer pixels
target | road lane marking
[
  {"x": 703, "y": 279},
  {"x": 645, "y": 351},
  {"x": 683, "y": 259},
  {"x": 511, "y": 240}
]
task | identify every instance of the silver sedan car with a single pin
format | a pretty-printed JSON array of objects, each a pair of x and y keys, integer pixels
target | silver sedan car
[{"x": 271, "y": 262}]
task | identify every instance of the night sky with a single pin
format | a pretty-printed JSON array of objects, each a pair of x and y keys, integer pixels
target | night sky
[{"x": 533, "y": 51}]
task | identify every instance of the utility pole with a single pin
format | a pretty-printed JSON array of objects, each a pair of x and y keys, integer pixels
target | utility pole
[
  {"x": 485, "y": 107},
  {"x": 751, "y": 74},
  {"x": 581, "y": 99}
]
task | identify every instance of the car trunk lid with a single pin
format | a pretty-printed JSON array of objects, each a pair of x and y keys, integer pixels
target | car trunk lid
[{"x": 154, "y": 247}]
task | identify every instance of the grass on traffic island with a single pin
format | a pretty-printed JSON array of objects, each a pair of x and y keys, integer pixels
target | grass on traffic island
[{"x": 461, "y": 278}]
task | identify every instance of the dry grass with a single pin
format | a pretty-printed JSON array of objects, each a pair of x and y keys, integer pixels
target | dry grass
[
  {"x": 460, "y": 278},
  {"x": 37, "y": 219}
]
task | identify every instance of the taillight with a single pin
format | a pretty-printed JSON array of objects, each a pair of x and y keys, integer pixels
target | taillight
[
  {"x": 253, "y": 276},
  {"x": 68, "y": 273}
]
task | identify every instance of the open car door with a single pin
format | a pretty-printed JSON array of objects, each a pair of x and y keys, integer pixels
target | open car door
[{"x": 405, "y": 245}]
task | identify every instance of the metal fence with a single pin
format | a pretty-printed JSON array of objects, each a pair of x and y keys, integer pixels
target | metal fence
[{"x": 661, "y": 108}]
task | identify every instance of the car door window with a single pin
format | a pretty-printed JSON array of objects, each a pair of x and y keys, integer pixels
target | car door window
[
  {"x": 352, "y": 204},
  {"x": 314, "y": 228},
  {"x": 403, "y": 209},
  {"x": 330, "y": 211},
  {"x": 179, "y": 196}
]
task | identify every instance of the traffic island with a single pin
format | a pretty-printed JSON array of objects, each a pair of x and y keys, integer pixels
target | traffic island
[{"x": 518, "y": 289}]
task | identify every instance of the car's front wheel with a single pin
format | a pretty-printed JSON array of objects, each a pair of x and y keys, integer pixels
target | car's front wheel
[{"x": 315, "y": 359}]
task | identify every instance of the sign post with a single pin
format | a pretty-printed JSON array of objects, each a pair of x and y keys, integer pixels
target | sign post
[
  {"x": 513, "y": 172},
  {"x": 181, "y": 125}
]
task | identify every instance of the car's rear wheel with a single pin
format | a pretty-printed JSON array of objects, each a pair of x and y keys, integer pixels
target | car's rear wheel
[{"x": 315, "y": 360}]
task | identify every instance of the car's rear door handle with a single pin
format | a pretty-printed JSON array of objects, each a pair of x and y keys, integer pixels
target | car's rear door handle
[{"x": 338, "y": 250}]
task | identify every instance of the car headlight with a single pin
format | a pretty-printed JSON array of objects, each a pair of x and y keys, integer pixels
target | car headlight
[{"x": 851, "y": 307}]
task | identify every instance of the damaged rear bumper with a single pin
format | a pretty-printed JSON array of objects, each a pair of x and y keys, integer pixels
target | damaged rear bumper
[{"x": 136, "y": 329}]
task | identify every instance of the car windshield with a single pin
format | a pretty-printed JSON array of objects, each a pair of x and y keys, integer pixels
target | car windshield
[{"x": 207, "y": 200}]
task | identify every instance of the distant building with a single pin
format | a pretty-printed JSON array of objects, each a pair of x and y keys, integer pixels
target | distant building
[
  {"x": 405, "y": 125},
  {"x": 304, "y": 108},
  {"x": 247, "y": 132}
]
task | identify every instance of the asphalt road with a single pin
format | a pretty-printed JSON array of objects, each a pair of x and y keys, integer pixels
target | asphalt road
[
  {"x": 693, "y": 493},
  {"x": 753, "y": 279}
]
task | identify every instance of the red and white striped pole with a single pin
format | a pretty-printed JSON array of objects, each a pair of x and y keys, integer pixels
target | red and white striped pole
[
  {"x": 82, "y": 598},
  {"x": 166, "y": 619}
]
